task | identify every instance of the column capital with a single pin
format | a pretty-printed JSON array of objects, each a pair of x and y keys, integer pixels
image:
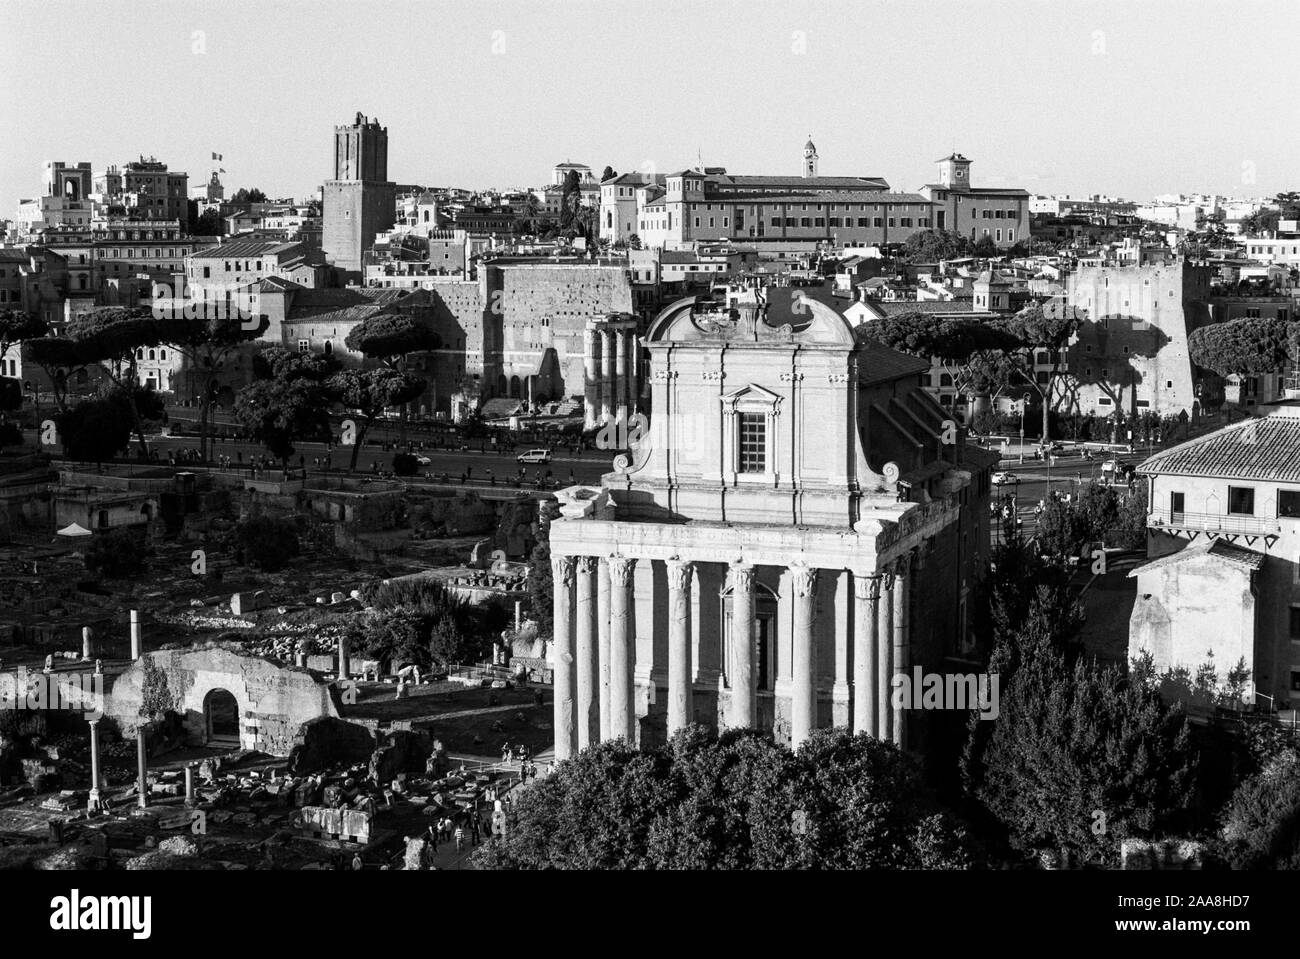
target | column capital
[
  {"x": 586, "y": 565},
  {"x": 741, "y": 576},
  {"x": 803, "y": 579},
  {"x": 866, "y": 586},
  {"x": 679, "y": 573},
  {"x": 562, "y": 570},
  {"x": 903, "y": 564},
  {"x": 620, "y": 569}
]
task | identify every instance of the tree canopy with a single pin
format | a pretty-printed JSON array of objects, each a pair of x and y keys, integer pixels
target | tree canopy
[
  {"x": 1079, "y": 757},
  {"x": 931, "y": 246},
  {"x": 738, "y": 801},
  {"x": 390, "y": 336},
  {"x": 1246, "y": 346},
  {"x": 370, "y": 392},
  {"x": 17, "y": 326}
]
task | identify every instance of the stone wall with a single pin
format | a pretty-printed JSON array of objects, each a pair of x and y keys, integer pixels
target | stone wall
[
  {"x": 274, "y": 700},
  {"x": 545, "y": 308}
]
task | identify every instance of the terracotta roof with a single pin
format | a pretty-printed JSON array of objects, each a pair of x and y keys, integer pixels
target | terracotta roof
[
  {"x": 1263, "y": 448},
  {"x": 1218, "y": 549}
]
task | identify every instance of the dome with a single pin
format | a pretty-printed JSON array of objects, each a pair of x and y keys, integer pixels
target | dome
[{"x": 808, "y": 147}]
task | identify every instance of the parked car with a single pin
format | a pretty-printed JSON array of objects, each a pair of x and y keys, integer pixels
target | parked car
[
  {"x": 534, "y": 456},
  {"x": 1005, "y": 478},
  {"x": 423, "y": 460}
]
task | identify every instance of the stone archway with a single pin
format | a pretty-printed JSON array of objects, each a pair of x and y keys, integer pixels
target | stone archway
[{"x": 221, "y": 718}]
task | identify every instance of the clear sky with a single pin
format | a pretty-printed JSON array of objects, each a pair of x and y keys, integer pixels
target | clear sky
[{"x": 1129, "y": 98}]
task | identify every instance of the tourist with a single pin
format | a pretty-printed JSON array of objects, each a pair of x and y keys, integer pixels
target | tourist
[{"x": 460, "y": 838}]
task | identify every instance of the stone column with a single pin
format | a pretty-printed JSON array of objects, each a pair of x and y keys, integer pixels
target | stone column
[
  {"x": 622, "y": 648},
  {"x": 344, "y": 665},
  {"x": 608, "y": 385},
  {"x": 591, "y": 377},
  {"x": 743, "y": 713},
  {"x": 901, "y": 581},
  {"x": 680, "y": 673},
  {"x": 586, "y": 654},
  {"x": 884, "y": 655},
  {"x": 603, "y": 643},
  {"x": 634, "y": 366},
  {"x": 87, "y": 643},
  {"x": 619, "y": 341},
  {"x": 803, "y": 691},
  {"x": 94, "y": 804},
  {"x": 562, "y": 654},
  {"x": 189, "y": 784},
  {"x": 866, "y": 597},
  {"x": 143, "y": 768},
  {"x": 136, "y": 643}
]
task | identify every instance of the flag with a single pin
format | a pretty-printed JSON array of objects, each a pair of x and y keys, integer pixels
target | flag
[{"x": 216, "y": 156}]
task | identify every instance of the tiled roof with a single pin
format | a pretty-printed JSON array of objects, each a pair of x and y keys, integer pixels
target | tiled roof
[
  {"x": 277, "y": 283},
  {"x": 811, "y": 196},
  {"x": 243, "y": 248},
  {"x": 1218, "y": 549},
  {"x": 880, "y": 364},
  {"x": 977, "y": 190},
  {"x": 1263, "y": 448},
  {"x": 344, "y": 306},
  {"x": 961, "y": 305},
  {"x": 807, "y": 182}
]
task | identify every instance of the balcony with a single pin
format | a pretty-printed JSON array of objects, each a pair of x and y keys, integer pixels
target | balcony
[{"x": 1228, "y": 524}]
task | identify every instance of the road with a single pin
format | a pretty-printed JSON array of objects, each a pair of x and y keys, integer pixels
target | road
[{"x": 1067, "y": 475}]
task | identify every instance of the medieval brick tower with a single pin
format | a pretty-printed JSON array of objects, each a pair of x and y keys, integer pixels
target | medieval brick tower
[{"x": 359, "y": 201}]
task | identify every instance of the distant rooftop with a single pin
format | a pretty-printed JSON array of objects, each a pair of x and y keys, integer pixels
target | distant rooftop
[{"x": 1260, "y": 448}]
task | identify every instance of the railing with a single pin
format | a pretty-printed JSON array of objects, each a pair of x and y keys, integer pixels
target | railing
[{"x": 1214, "y": 522}]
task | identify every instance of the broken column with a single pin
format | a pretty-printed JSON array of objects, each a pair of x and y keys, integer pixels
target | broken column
[
  {"x": 189, "y": 784},
  {"x": 343, "y": 657},
  {"x": 87, "y": 643},
  {"x": 143, "y": 767},
  {"x": 135, "y": 634}
]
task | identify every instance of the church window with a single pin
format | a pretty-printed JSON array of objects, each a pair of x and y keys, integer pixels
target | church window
[{"x": 753, "y": 443}]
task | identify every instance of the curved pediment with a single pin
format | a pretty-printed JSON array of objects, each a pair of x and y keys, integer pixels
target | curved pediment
[{"x": 698, "y": 319}]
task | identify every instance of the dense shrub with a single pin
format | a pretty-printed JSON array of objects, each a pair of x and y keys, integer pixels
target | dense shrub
[
  {"x": 116, "y": 554},
  {"x": 264, "y": 542}
]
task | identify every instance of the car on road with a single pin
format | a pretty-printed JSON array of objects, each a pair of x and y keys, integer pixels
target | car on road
[
  {"x": 423, "y": 460},
  {"x": 534, "y": 456},
  {"x": 1054, "y": 447},
  {"x": 1005, "y": 478}
]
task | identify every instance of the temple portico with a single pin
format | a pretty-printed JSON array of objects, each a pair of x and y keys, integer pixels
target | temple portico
[{"x": 769, "y": 627}]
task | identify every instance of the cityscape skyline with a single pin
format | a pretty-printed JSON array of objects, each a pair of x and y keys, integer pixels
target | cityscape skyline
[{"x": 275, "y": 142}]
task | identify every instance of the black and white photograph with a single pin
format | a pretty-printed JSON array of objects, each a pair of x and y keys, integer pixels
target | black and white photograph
[{"x": 841, "y": 453}]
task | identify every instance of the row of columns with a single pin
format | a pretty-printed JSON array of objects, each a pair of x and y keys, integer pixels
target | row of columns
[
  {"x": 594, "y": 665},
  {"x": 612, "y": 369},
  {"x": 880, "y": 650}
]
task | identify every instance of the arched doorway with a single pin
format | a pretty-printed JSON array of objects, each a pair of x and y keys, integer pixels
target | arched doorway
[{"x": 220, "y": 718}]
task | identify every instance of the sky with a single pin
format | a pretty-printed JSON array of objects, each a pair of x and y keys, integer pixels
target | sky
[{"x": 1133, "y": 98}]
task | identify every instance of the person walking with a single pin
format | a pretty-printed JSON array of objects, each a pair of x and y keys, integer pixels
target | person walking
[{"x": 460, "y": 838}]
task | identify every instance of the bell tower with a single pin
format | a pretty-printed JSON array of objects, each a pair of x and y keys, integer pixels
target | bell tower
[
  {"x": 809, "y": 158},
  {"x": 954, "y": 172}
]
